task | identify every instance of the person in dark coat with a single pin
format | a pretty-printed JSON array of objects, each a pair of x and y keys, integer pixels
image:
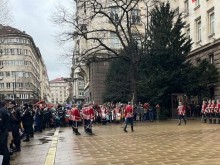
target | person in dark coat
[
  {"x": 4, "y": 126},
  {"x": 27, "y": 120},
  {"x": 16, "y": 121}
]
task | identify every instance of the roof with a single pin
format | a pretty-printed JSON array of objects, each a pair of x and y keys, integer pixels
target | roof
[
  {"x": 9, "y": 30},
  {"x": 58, "y": 80}
]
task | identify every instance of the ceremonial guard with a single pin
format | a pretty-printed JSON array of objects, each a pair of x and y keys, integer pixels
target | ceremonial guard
[
  {"x": 75, "y": 116},
  {"x": 129, "y": 117},
  {"x": 217, "y": 109},
  {"x": 212, "y": 109},
  {"x": 203, "y": 111},
  {"x": 181, "y": 112},
  {"x": 88, "y": 117},
  {"x": 207, "y": 111}
]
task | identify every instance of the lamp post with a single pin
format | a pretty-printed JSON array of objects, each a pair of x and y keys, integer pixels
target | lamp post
[{"x": 14, "y": 87}]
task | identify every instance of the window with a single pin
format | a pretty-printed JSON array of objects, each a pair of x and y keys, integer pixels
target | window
[
  {"x": 198, "y": 31},
  {"x": 186, "y": 6},
  {"x": 176, "y": 11},
  {"x": 2, "y": 74},
  {"x": 114, "y": 14},
  {"x": 211, "y": 59},
  {"x": 115, "y": 42},
  {"x": 211, "y": 23},
  {"x": 135, "y": 16},
  {"x": 7, "y": 74},
  {"x": 8, "y": 85},
  {"x": 1, "y": 85},
  {"x": 188, "y": 32}
]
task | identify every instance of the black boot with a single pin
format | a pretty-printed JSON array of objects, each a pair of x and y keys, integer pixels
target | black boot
[
  {"x": 77, "y": 132},
  {"x": 26, "y": 140},
  {"x": 132, "y": 128},
  {"x": 125, "y": 128}
]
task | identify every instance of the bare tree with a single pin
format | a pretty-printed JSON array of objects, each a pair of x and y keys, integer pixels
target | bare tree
[
  {"x": 5, "y": 12},
  {"x": 108, "y": 29}
]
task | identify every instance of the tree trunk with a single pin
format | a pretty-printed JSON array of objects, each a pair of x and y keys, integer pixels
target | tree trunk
[{"x": 133, "y": 79}]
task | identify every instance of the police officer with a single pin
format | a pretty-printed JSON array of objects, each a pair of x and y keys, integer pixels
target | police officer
[
  {"x": 4, "y": 125},
  {"x": 15, "y": 121}
]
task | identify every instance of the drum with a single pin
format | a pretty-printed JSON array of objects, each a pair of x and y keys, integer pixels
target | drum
[{"x": 118, "y": 117}]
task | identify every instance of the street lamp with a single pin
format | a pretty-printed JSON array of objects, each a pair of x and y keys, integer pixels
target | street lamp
[{"x": 14, "y": 87}]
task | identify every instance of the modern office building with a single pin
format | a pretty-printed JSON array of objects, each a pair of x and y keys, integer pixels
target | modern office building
[{"x": 23, "y": 72}]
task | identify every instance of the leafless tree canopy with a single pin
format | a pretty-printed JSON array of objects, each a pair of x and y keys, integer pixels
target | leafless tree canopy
[
  {"x": 96, "y": 21},
  {"x": 5, "y": 13}
]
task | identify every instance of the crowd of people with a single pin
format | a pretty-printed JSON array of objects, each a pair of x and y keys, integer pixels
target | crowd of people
[{"x": 18, "y": 123}]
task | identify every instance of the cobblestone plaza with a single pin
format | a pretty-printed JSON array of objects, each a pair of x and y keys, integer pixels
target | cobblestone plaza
[{"x": 156, "y": 143}]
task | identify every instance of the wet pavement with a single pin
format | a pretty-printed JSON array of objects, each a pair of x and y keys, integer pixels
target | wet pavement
[{"x": 157, "y": 143}]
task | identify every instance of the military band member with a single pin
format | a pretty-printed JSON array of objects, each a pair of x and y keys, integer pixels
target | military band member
[{"x": 75, "y": 116}]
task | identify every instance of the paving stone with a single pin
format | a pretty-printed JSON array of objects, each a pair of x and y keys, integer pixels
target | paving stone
[{"x": 157, "y": 143}]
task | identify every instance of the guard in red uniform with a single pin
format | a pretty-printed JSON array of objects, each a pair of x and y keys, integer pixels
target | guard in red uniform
[
  {"x": 88, "y": 117},
  {"x": 181, "y": 112},
  {"x": 212, "y": 109},
  {"x": 75, "y": 116},
  {"x": 203, "y": 111},
  {"x": 129, "y": 117},
  {"x": 208, "y": 110}
]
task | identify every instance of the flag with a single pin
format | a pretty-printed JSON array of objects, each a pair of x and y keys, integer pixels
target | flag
[{"x": 193, "y": 1}]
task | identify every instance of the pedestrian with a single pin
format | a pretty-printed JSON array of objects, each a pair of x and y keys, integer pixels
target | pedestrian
[
  {"x": 27, "y": 122},
  {"x": 4, "y": 126},
  {"x": 16, "y": 122},
  {"x": 158, "y": 111},
  {"x": 128, "y": 117},
  {"x": 151, "y": 113},
  {"x": 181, "y": 112}
]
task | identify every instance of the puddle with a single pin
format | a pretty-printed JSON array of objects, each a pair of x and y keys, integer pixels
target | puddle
[{"x": 44, "y": 140}]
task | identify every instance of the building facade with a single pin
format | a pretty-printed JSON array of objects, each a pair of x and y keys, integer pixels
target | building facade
[
  {"x": 94, "y": 72},
  {"x": 202, "y": 26},
  {"x": 200, "y": 16},
  {"x": 60, "y": 90},
  {"x": 20, "y": 61}
]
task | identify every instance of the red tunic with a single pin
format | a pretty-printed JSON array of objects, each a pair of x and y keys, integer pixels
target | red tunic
[
  {"x": 128, "y": 111},
  {"x": 75, "y": 114},
  {"x": 181, "y": 110},
  {"x": 204, "y": 106}
]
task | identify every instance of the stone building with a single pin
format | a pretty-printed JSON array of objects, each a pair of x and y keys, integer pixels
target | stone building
[
  {"x": 93, "y": 72},
  {"x": 22, "y": 73},
  {"x": 59, "y": 88},
  {"x": 202, "y": 25}
]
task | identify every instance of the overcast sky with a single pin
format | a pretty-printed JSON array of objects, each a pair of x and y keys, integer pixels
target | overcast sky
[{"x": 33, "y": 17}]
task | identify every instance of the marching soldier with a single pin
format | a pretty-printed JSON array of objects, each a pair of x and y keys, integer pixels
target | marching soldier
[
  {"x": 129, "y": 117},
  {"x": 181, "y": 112},
  {"x": 75, "y": 116},
  {"x": 88, "y": 117},
  {"x": 203, "y": 111}
]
